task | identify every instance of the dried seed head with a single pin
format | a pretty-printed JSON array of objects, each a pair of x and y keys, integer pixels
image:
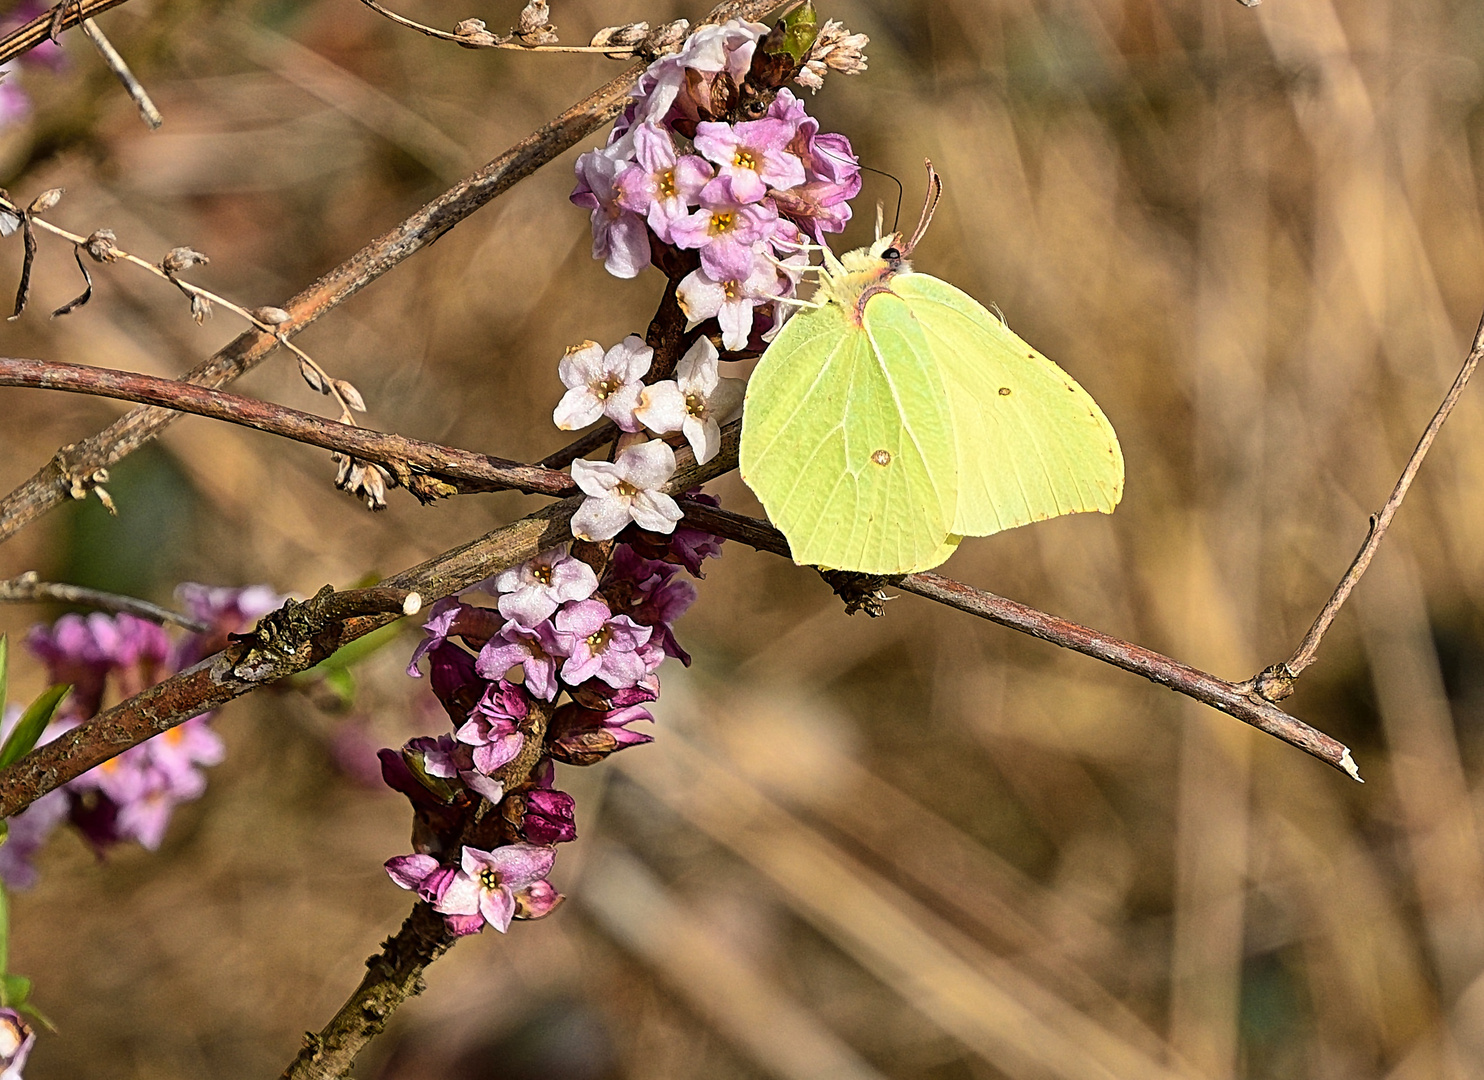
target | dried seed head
[
  {"x": 473, "y": 35},
  {"x": 200, "y": 308},
  {"x": 45, "y": 201},
  {"x": 836, "y": 48},
  {"x": 271, "y": 316},
  {"x": 100, "y": 246},
  {"x": 182, "y": 258},
  {"x": 621, "y": 37},
  {"x": 535, "y": 26},
  {"x": 363, "y": 479}
]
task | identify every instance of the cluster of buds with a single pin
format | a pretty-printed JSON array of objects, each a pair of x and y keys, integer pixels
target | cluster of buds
[
  {"x": 132, "y": 796},
  {"x": 556, "y": 671}
]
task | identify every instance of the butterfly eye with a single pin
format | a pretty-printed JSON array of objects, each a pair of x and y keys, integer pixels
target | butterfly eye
[{"x": 891, "y": 254}]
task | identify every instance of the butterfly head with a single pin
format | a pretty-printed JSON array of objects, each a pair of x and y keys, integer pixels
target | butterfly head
[{"x": 858, "y": 274}]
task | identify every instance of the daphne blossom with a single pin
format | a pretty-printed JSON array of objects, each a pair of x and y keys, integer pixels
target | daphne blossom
[
  {"x": 533, "y": 590},
  {"x": 488, "y": 881},
  {"x": 695, "y": 402},
  {"x": 602, "y": 383},
  {"x": 625, "y": 490}
]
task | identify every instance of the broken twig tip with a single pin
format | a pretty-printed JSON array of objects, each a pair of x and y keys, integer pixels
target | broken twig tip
[
  {"x": 1348, "y": 764},
  {"x": 414, "y": 603}
]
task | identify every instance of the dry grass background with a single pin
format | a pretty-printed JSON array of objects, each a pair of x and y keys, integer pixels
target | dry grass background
[{"x": 918, "y": 846}]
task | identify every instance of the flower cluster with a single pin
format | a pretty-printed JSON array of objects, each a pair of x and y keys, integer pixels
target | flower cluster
[
  {"x": 611, "y": 384},
  {"x": 557, "y": 628},
  {"x": 744, "y": 195},
  {"x": 129, "y": 797}
]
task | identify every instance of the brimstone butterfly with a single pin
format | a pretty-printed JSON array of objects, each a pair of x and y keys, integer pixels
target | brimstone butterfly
[{"x": 895, "y": 415}]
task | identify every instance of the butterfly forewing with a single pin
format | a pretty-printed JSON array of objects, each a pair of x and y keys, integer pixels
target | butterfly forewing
[
  {"x": 1030, "y": 443},
  {"x": 851, "y": 455}
]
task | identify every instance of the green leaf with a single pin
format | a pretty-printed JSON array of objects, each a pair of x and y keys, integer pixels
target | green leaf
[
  {"x": 353, "y": 653},
  {"x": 41, "y": 1018},
  {"x": 32, "y": 723},
  {"x": 800, "y": 28},
  {"x": 15, "y": 990}
]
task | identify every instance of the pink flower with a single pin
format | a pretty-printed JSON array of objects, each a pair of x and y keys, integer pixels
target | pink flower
[
  {"x": 664, "y": 186},
  {"x": 601, "y": 645},
  {"x": 534, "y": 649},
  {"x": 488, "y": 882},
  {"x": 619, "y": 236},
  {"x": 753, "y": 155},
  {"x": 726, "y": 229},
  {"x": 731, "y": 301}
]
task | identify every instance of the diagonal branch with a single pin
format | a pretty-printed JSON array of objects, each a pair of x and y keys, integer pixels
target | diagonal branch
[
  {"x": 25, "y": 38},
  {"x": 29, "y": 588},
  {"x": 1276, "y": 683},
  {"x": 1231, "y": 698},
  {"x": 74, "y": 465}
]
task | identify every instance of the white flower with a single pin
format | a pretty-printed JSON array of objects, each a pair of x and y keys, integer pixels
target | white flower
[
  {"x": 696, "y": 402},
  {"x": 625, "y": 490},
  {"x": 602, "y": 383}
]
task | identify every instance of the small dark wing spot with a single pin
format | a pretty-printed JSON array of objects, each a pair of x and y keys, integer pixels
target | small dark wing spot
[
  {"x": 1004, "y": 391},
  {"x": 881, "y": 457}
]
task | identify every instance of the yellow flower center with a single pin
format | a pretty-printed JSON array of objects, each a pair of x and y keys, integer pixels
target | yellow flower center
[
  {"x": 597, "y": 641},
  {"x": 695, "y": 405},
  {"x": 744, "y": 159},
  {"x": 606, "y": 386},
  {"x": 489, "y": 879},
  {"x": 626, "y": 489},
  {"x": 541, "y": 573},
  {"x": 665, "y": 182},
  {"x": 723, "y": 222},
  {"x": 730, "y": 289}
]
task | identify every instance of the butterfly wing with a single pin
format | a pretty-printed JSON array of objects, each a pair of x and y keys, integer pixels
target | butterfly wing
[
  {"x": 1031, "y": 444},
  {"x": 847, "y": 440}
]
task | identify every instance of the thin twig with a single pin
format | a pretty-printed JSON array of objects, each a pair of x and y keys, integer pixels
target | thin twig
[
  {"x": 488, "y": 41},
  {"x": 113, "y": 253},
  {"x": 115, "y": 62},
  {"x": 64, "y": 16},
  {"x": 1276, "y": 683},
  {"x": 1230, "y": 698},
  {"x": 29, "y": 588}
]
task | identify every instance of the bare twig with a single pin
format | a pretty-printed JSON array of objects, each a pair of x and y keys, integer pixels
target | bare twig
[
  {"x": 486, "y": 40},
  {"x": 115, "y": 62},
  {"x": 29, "y": 587},
  {"x": 50, "y": 22},
  {"x": 402, "y": 456},
  {"x": 1231, "y": 698},
  {"x": 101, "y": 247},
  {"x": 1276, "y": 683}
]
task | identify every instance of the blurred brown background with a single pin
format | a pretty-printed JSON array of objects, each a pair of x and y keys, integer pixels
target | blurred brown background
[{"x": 919, "y": 846}]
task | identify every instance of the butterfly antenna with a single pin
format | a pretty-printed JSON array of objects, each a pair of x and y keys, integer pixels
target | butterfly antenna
[
  {"x": 896, "y": 216},
  {"x": 934, "y": 193}
]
